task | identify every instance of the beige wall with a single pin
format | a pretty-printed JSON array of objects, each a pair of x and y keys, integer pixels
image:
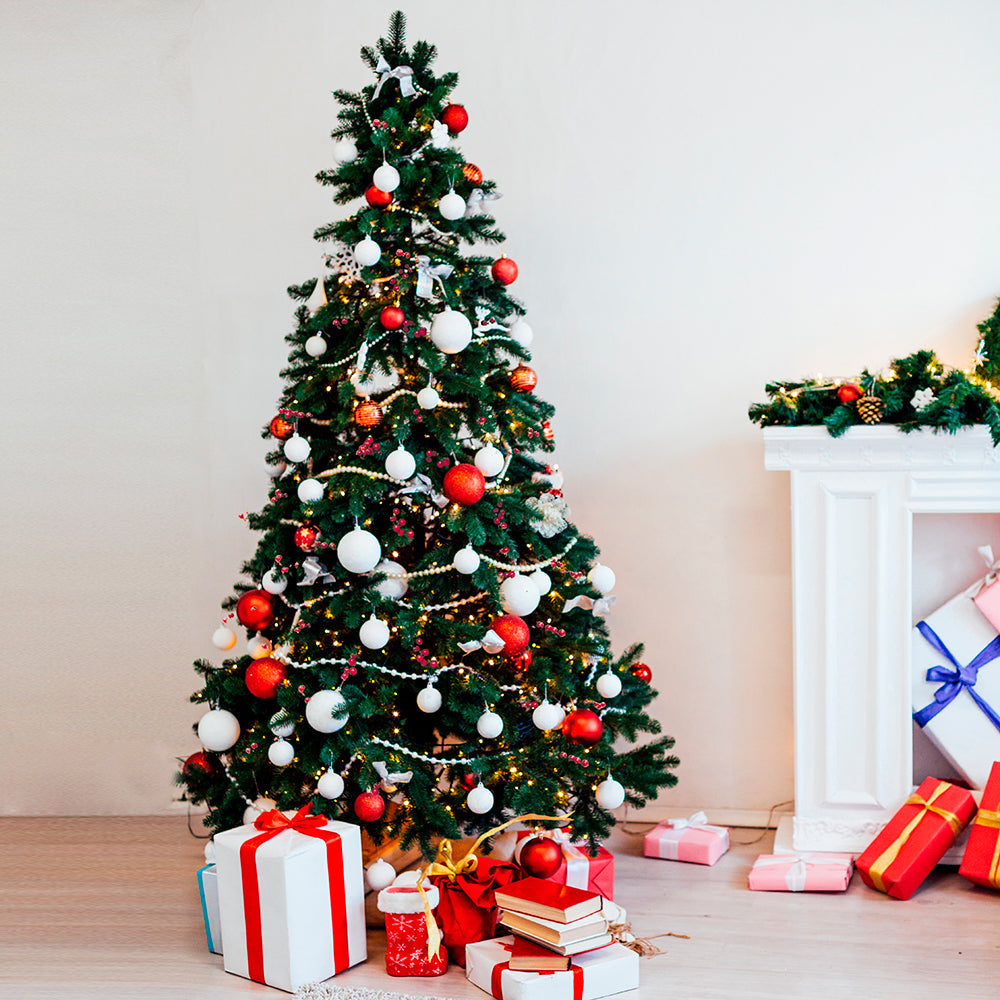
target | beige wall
[{"x": 700, "y": 196}]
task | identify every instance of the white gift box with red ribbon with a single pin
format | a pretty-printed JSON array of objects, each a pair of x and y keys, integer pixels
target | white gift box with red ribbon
[{"x": 692, "y": 839}]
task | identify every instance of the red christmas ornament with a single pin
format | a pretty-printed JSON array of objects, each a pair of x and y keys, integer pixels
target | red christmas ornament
[
  {"x": 469, "y": 781},
  {"x": 472, "y": 173},
  {"x": 256, "y": 609},
  {"x": 367, "y": 414},
  {"x": 849, "y": 392},
  {"x": 464, "y": 484},
  {"x": 392, "y": 317},
  {"x": 378, "y": 198},
  {"x": 547, "y": 431},
  {"x": 641, "y": 672},
  {"x": 201, "y": 764},
  {"x": 369, "y": 806},
  {"x": 541, "y": 857},
  {"x": 455, "y": 117},
  {"x": 583, "y": 727},
  {"x": 306, "y": 536},
  {"x": 281, "y": 428},
  {"x": 515, "y": 633},
  {"x": 263, "y": 677},
  {"x": 521, "y": 662},
  {"x": 504, "y": 270},
  {"x": 523, "y": 378}
]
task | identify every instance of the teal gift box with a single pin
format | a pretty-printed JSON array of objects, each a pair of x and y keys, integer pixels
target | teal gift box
[{"x": 208, "y": 887}]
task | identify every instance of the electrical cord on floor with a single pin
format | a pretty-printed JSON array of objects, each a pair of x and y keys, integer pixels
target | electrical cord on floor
[{"x": 744, "y": 843}]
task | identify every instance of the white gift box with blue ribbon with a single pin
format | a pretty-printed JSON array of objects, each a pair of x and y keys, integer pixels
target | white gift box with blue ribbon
[
  {"x": 956, "y": 685},
  {"x": 208, "y": 887}
]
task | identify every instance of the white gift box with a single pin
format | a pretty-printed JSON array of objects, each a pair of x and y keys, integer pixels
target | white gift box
[
  {"x": 954, "y": 705},
  {"x": 208, "y": 889},
  {"x": 291, "y": 902},
  {"x": 592, "y": 974}
]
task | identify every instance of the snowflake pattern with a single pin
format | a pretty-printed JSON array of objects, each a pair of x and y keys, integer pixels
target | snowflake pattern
[
  {"x": 406, "y": 947},
  {"x": 341, "y": 260},
  {"x": 553, "y": 513}
]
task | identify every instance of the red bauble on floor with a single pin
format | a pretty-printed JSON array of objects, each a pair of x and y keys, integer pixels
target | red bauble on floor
[
  {"x": 369, "y": 806},
  {"x": 378, "y": 198},
  {"x": 464, "y": 484},
  {"x": 583, "y": 727},
  {"x": 264, "y": 676},
  {"x": 504, "y": 270},
  {"x": 256, "y": 609},
  {"x": 541, "y": 857},
  {"x": 515, "y": 633},
  {"x": 455, "y": 117}
]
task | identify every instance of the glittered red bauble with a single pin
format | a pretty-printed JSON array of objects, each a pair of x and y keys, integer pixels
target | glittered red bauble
[
  {"x": 367, "y": 414},
  {"x": 469, "y": 781},
  {"x": 256, "y": 609},
  {"x": 522, "y": 661},
  {"x": 201, "y": 764},
  {"x": 392, "y": 317},
  {"x": 523, "y": 379},
  {"x": 472, "y": 173},
  {"x": 455, "y": 117},
  {"x": 849, "y": 392},
  {"x": 378, "y": 198},
  {"x": 464, "y": 484},
  {"x": 583, "y": 727},
  {"x": 641, "y": 672},
  {"x": 263, "y": 677},
  {"x": 281, "y": 428},
  {"x": 369, "y": 806},
  {"x": 504, "y": 270},
  {"x": 306, "y": 536},
  {"x": 515, "y": 633},
  {"x": 541, "y": 857}
]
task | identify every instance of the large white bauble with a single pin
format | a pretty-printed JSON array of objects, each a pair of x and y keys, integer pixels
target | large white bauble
[
  {"x": 315, "y": 346},
  {"x": 428, "y": 398},
  {"x": 261, "y": 805},
  {"x": 223, "y": 638},
  {"x": 320, "y": 709},
  {"x": 429, "y": 699},
  {"x": 541, "y": 581},
  {"x": 344, "y": 151},
  {"x": 548, "y": 716},
  {"x": 297, "y": 448},
  {"x": 374, "y": 633},
  {"x": 400, "y": 464},
  {"x": 330, "y": 785},
  {"x": 480, "y": 800},
  {"x": 310, "y": 490},
  {"x": 609, "y": 685},
  {"x": 451, "y": 331},
  {"x": 379, "y": 875},
  {"x": 466, "y": 560},
  {"x": 489, "y": 461},
  {"x": 281, "y": 725},
  {"x": 273, "y": 583},
  {"x": 392, "y": 588},
  {"x": 518, "y": 595},
  {"x": 521, "y": 333},
  {"x": 602, "y": 579},
  {"x": 489, "y": 726},
  {"x": 218, "y": 730},
  {"x": 259, "y": 646},
  {"x": 367, "y": 252},
  {"x": 452, "y": 206},
  {"x": 386, "y": 178},
  {"x": 281, "y": 753},
  {"x": 610, "y": 793},
  {"x": 359, "y": 551}
]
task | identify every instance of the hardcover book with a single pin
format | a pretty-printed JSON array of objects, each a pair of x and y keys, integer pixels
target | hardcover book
[
  {"x": 538, "y": 897},
  {"x": 527, "y": 956}
]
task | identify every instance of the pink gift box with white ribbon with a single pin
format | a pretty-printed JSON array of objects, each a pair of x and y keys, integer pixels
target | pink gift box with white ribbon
[
  {"x": 691, "y": 839},
  {"x": 802, "y": 872}
]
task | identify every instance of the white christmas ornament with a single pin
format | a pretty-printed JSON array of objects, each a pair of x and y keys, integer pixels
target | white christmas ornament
[
  {"x": 452, "y": 206},
  {"x": 320, "y": 709},
  {"x": 261, "y": 805},
  {"x": 466, "y": 560},
  {"x": 374, "y": 633},
  {"x": 552, "y": 512},
  {"x": 602, "y": 579},
  {"x": 548, "y": 716},
  {"x": 386, "y": 178},
  {"x": 610, "y": 793},
  {"x": 518, "y": 595},
  {"x": 344, "y": 151},
  {"x": 392, "y": 588},
  {"x": 429, "y": 699},
  {"x": 297, "y": 449},
  {"x": 310, "y": 490},
  {"x": 489, "y": 461},
  {"x": 273, "y": 583},
  {"x": 521, "y": 333},
  {"x": 223, "y": 638},
  {"x": 315, "y": 346},
  {"x": 259, "y": 646},
  {"x": 218, "y": 730},
  {"x": 281, "y": 753},
  {"x": 609, "y": 685},
  {"x": 380, "y": 875},
  {"x": 330, "y": 785},
  {"x": 359, "y": 551},
  {"x": 451, "y": 331},
  {"x": 367, "y": 252},
  {"x": 489, "y": 726},
  {"x": 480, "y": 800},
  {"x": 400, "y": 464},
  {"x": 281, "y": 725},
  {"x": 541, "y": 581},
  {"x": 428, "y": 398}
]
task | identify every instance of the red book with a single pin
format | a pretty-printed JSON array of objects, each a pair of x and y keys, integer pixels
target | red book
[
  {"x": 981, "y": 861},
  {"x": 538, "y": 897},
  {"x": 526, "y": 956}
]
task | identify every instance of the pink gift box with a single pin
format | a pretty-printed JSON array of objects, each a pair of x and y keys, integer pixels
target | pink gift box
[
  {"x": 802, "y": 872},
  {"x": 689, "y": 839},
  {"x": 988, "y": 602}
]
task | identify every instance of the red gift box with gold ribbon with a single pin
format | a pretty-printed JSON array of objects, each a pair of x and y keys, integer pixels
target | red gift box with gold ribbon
[
  {"x": 981, "y": 861},
  {"x": 908, "y": 847}
]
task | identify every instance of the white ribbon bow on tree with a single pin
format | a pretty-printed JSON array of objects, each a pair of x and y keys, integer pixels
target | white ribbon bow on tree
[
  {"x": 428, "y": 273},
  {"x": 402, "y": 73},
  {"x": 600, "y": 607},
  {"x": 423, "y": 485},
  {"x": 490, "y": 642},
  {"x": 390, "y": 778},
  {"x": 312, "y": 570},
  {"x": 476, "y": 201}
]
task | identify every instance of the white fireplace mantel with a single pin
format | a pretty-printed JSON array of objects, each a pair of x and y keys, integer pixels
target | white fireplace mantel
[{"x": 852, "y": 501}]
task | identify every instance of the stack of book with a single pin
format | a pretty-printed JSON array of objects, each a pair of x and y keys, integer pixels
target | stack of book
[{"x": 551, "y": 922}]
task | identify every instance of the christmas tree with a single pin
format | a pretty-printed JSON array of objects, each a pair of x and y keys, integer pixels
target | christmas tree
[{"x": 424, "y": 622}]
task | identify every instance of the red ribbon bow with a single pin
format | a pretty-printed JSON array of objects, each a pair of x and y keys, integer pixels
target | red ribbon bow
[{"x": 276, "y": 820}]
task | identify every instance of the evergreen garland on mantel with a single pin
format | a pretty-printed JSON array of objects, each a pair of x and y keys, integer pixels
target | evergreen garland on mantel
[{"x": 914, "y": 392}]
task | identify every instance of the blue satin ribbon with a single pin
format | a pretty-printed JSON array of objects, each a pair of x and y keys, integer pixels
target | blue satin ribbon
[{"x": 957, "y": 679}]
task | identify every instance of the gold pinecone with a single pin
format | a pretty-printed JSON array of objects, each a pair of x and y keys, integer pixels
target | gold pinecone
[{"x": 870, "y": 409}]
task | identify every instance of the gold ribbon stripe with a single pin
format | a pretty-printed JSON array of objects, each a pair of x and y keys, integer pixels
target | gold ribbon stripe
[{"x": 990, "y": 818}]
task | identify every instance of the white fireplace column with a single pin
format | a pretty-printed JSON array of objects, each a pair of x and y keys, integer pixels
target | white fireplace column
[{"x": 852, "y": 504}]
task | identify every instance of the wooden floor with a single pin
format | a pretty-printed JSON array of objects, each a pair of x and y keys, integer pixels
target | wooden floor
[{"x": 108, "y": 908}]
